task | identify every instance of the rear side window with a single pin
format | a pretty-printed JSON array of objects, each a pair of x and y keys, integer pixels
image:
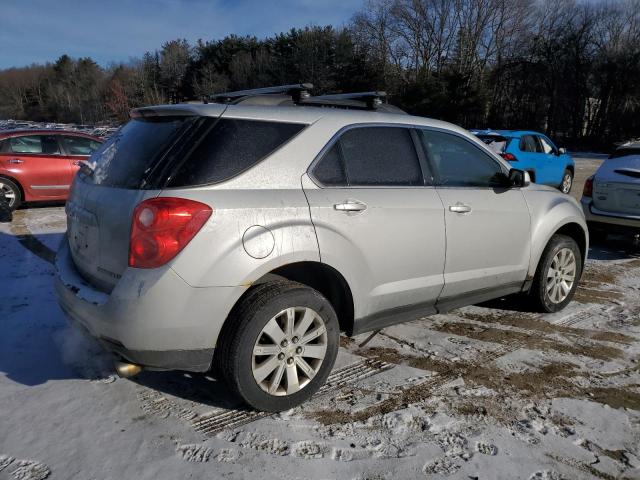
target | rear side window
[
  {"x": 74, "y": 145},
  {"x": 155, "y": 152},
  {"x": 34, "y": 144},
  {"x": 371, "y": 156},
  {"x": 229, "y": 147},
  {"x": 330, "y": 170}
]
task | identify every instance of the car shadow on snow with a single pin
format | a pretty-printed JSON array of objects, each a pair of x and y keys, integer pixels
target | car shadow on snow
[
  {"x": 200, "y": 388},
  {"x": 615, "y": 247}
]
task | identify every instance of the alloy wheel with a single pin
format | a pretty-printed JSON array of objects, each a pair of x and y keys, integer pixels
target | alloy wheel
[
  {"x": 289, "y": 351},
  {"x": 8, "y": 192},
  {"x": 567, "y": 180},
  {"x": 561, "y": 275}
]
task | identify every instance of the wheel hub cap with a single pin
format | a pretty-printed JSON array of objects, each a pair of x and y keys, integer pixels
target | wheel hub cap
[
  {"x": 9, "y": 194},
  {"x": 561, "y": 275},
  {"x": 289, "y": 351}
]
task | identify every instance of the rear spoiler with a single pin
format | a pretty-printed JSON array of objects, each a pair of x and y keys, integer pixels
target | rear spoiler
[{"x": 181, "y": 110}]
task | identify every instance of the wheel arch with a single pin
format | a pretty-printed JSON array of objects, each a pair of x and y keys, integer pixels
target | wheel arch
[
  {"x": 572, "y": 230},
  {"x": 319, "y": 276}
]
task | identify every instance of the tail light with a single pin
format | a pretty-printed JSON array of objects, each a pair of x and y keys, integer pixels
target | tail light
[
  {"x": 588, "y": 187},
  {"x": 509, "y": 157},
  {"x": 162, "y": 227}
]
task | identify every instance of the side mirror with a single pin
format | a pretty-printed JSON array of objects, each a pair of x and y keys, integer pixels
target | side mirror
[
  {"x": 519, "y": 178},
  {"x": 562, "y": 151}
]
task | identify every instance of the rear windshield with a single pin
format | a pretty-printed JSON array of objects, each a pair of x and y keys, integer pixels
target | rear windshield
[
  {"x": 156, "y": 152},
  {"x": 497, "y": 143},
  {"x": 625, "y": 152}
]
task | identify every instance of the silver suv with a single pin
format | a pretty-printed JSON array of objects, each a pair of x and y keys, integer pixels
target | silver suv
[{"x": 244, "y": 236}]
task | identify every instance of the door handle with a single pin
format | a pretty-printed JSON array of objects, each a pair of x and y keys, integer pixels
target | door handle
[
  {"x": 459, "y": 208},
  {"x": 15, "y": 160},
  {"x": 350, "y": 206},
  {"x": 77, "y": 163}
]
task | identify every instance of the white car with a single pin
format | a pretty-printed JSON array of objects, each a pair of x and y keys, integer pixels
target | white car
[{"x": 611, "y": 197}]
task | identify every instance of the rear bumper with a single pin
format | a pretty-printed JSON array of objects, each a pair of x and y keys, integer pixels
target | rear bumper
[
  {"x": 152, "y": 317},
  {"x": 609, "y": 219}
]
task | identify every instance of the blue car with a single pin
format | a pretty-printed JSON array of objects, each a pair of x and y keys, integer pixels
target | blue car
[{"x": 534, "y": 153}]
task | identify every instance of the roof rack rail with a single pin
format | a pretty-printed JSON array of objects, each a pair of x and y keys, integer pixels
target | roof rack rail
[
  {"x": 369, "y": 100},
  {"x": 297, "y": 91}
]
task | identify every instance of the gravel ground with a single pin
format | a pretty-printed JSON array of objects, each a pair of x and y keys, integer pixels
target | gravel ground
[{"x": 485, "y": 392}]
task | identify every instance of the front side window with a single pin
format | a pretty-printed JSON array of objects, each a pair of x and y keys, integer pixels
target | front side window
[
  {"x": 458, "y": 162},
  {"x": 34, "y": 144},
  {"x": 371, "y": 156},
  {"x": 74, "y": 145},
  {"x": 546, "y": 145}
]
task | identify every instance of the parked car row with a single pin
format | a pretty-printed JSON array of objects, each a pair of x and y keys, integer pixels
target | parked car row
[{"x": 96, "y": 131}]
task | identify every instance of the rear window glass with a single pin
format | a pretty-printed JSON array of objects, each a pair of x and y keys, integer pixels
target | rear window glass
[
  {"x": 624, "y": 152},
  {"x": 229, "y": 147},
  {"x": 131, "y": 153},
  {"x": 156, "y": 152},
  {"x": 496, "y": 143}
]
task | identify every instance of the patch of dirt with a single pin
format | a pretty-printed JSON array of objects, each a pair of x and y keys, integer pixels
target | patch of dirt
[
  {"x": 615, "y": 397},
  {"x": 531, "y": 340},
  {"x": 529, "y": 322}
]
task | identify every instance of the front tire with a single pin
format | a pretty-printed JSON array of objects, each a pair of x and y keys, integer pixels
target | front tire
[
  {"x": 558, "y": 273},
  {"x": 11, "y": 193},
  {"x": 567, "y": 181},
  {"x": 279, "y": 345}
]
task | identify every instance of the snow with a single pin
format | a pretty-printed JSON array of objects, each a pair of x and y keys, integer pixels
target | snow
[{"x": 483, "y": 392}]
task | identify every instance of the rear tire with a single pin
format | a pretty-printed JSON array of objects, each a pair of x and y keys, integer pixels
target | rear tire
[
  {"x": 278, "y": 345},
  {"x": 567, "y": 181},
  {"x": 11, "y": 192},
  {"x": 557, "y": 276}
]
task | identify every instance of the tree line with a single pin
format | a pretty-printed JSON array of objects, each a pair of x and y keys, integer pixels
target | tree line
[{"x": 569, "y": 68}]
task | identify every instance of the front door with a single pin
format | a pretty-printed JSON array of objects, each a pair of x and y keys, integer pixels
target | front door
[
  {"x": 379, "y": 222},
  {"x": 487, "y": 225}
]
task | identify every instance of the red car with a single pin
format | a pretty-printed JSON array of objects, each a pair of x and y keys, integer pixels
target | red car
[{"x": 39, "y": 165}]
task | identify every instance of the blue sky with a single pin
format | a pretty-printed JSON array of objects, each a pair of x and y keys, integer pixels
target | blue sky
[{"x": 37, "y": 31}]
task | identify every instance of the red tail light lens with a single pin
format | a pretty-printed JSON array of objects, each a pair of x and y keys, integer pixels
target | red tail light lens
[
  {"x": 509, "y": 157},
  {"x": 588, "y": 187},
  {"x": 162, "y": 227}
]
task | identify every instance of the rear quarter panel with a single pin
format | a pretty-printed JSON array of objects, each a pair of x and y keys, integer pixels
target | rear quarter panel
[{"x": 250, "y": 233}]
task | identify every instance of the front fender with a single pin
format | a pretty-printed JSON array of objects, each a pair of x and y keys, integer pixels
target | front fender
[{"x": 551, "y": 211}]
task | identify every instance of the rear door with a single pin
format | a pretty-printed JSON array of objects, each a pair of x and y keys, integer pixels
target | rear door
[
  {"x": 378, "y": 220},
  {"x": 487, "y": 225},
  {"x": 43, "y": 168}
]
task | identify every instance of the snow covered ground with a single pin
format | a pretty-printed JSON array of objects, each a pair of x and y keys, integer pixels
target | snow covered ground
[{"x": 485, "y": 392}]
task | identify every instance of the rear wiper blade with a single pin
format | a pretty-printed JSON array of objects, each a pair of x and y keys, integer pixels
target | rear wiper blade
[{"x": 629, "y": 172}]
